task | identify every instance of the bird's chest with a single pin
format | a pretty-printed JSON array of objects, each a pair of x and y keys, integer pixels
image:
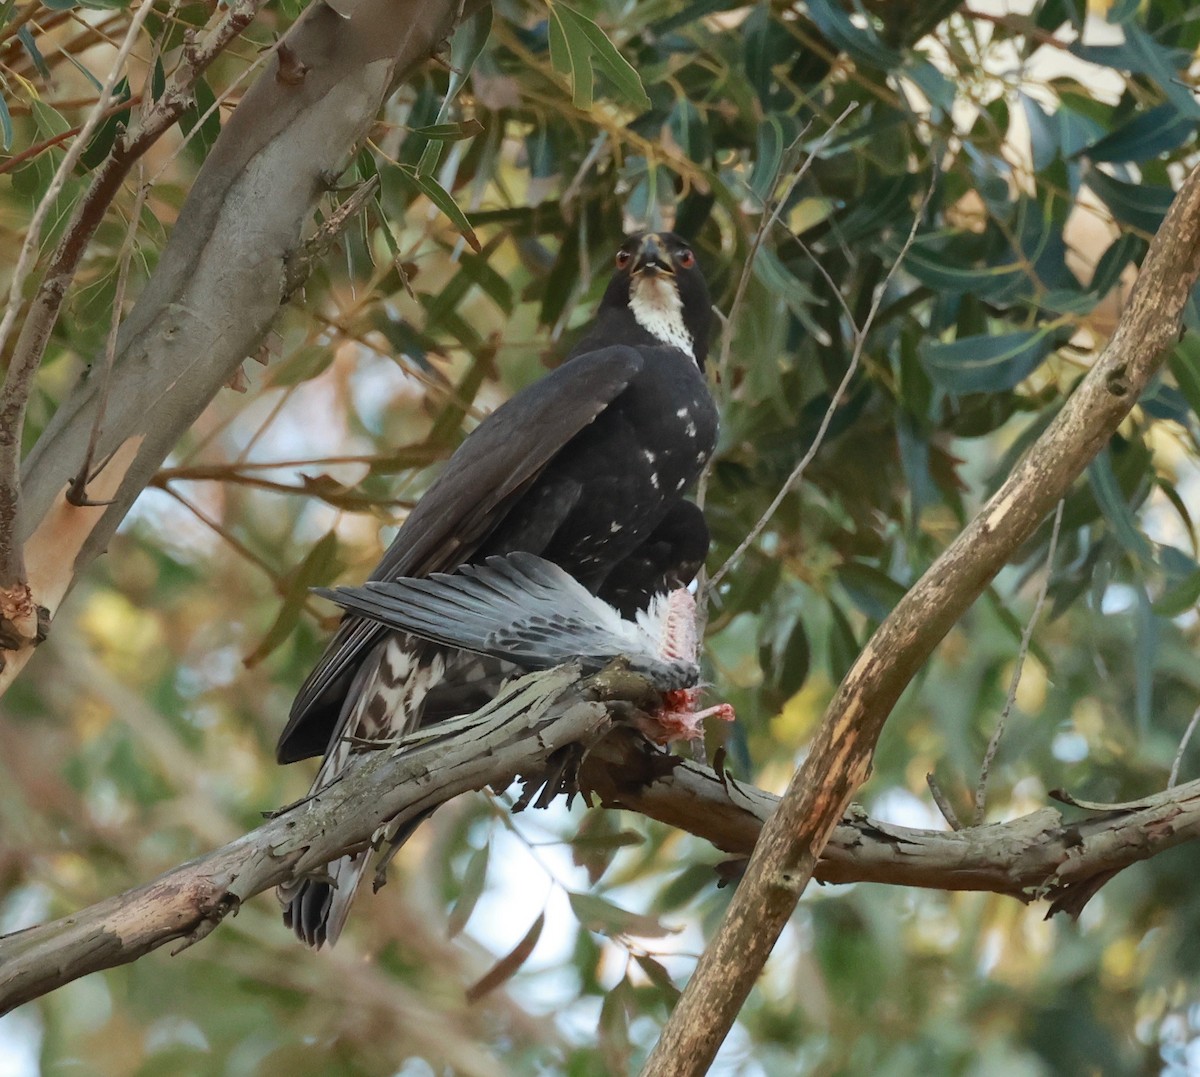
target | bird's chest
[
  {"x": 643, "y": 451},
  {"x": 662, "y": 432}
]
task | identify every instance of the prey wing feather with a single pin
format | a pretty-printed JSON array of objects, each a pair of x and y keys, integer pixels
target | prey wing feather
[
  {"x": 520, "y": 608},
  {"x": 482, "y": 480}
]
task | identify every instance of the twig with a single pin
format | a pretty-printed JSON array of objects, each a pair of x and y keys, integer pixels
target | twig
[
  {"x": 943, "y": 803},
  {"x": 240, "y": 547},
  {"x": 300, "y": 263},
  {"x": 517, "y": 732},
  {"x": 860, "y": 340},
  {"x": 18, "y": 159},
  {"x": 19, "y": 380},
  {"x": 1019, "y": 26},
  {"x": 770, "y": 216},
  {"x": 1187, "y": 736},
  {"x": 767, "y": 221},
  {"x": 86, "y": 218},
  {"x": 1015, "y": 681},
  {"x": 573, "y": 188},
  {"x": 233, "y": 475}
]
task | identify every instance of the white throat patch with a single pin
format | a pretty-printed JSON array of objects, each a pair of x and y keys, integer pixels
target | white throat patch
[{"x": 656, "y": 305}]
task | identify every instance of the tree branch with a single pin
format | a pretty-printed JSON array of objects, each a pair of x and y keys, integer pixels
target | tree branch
[
  {"x": 840, "y": 757},
  {"x": 529, "y": 730},
  {"x": 517, "y": 732},
  {"x": 1037, "y": 856},
  {"x": 219, "y": 283},
  {"x": 47, "y": 302}
]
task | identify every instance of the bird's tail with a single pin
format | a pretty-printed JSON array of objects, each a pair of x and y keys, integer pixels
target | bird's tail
[
  {"x": 316, "y": 908},
  {"x": 386, "y": 700}
]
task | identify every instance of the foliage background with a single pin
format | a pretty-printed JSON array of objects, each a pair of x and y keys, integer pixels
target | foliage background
[{"x": 142, "y": 733}]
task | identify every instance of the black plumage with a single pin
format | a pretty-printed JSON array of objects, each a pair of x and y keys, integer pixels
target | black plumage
[{"x": 587, "y": 468}]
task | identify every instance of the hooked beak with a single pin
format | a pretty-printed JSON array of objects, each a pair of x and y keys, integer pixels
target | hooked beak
[{"x": 652, "y": 258}]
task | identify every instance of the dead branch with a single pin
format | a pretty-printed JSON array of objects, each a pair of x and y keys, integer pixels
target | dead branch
[{"x": 840, "y": 758}]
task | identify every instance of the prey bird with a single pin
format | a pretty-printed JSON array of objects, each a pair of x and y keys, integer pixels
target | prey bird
[
  {"x": 587, "y": 469},
  {"x": 531, "y": 615}
]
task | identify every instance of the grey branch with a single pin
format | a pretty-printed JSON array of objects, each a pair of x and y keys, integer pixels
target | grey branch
[
  {"x": 540, "y": 726},
  {"x": 218, "y": 285}
]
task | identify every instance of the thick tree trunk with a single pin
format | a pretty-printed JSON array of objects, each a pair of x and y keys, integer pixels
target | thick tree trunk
[{"x": 221, "y": 279}]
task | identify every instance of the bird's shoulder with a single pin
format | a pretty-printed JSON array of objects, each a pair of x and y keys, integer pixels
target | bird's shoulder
[{"x": 482, "y": 480}]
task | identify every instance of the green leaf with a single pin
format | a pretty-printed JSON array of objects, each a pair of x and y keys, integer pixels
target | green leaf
[
  {"x": 784, "y": 655},
  {"x": 775, "y": 135},
  {"x": 1138, "y": 204},
  {"x": 1145, "y": 136},
  {"x": 931, "y": 82},
  {"x": 450, "y": 132},
  {"x": 577, "y": 45},
  {"x": 1116, "y": 509},
  {"x": 986, "y": 363},
  {"x": 302, "y": 365},
  {"x": 597, "y": 914},
  {"x": 25, "y": 36},
  {"x": 872, "y": 591},
  {"x": 441, "y": 198},
  {"x": 1181, "y": 597},
  {"x": 597, "y": 842},
  {"x": 571, "y": 57},
  {"x": 6, "y": 126},
  {"x": 316, "y": 570},
  {"x": 472, "y": 888},
  {"x": 1165, "y": 65},
  {"x": 843, "y": 646},
  {"x": 106, "y": 133},
  {"x": 1043, "y": 133},
  {"x": 49, "y": 121},
  {"x": 507, "y": 967},
  {"x": 937, "y": 266},
  {"x": 465, "y": 48},
  {"x": 95, "y": 82},
  {"x": 1123, "y": 250},
  {"x": 861, "y": 43},
  {"x": 1185, "y": 366},
  {"x": 201, "y": 138},
  {"x": 612, "y": 1030},
  {"x": 689, "y": 129},
  {"x": 1145, "y": 658},
  {"x": 448, "y": 423},
  {"x": 658, "y": 976}
]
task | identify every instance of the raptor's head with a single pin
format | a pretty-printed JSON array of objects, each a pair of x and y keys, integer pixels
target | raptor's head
[{"x": 658, "y": 281}]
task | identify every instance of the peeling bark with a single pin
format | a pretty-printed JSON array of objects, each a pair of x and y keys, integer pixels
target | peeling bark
[{"x": 222, "y": 276}]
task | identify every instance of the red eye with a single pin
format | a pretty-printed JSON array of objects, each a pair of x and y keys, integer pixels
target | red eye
[
  {"x": 686, "y": 259},
  {"x": 623, "y": 259}
]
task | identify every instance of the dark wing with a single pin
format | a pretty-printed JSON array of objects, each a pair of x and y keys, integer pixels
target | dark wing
[
  {"x": 484, "y": 478},
  {"x": 520, "y": 608}
]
